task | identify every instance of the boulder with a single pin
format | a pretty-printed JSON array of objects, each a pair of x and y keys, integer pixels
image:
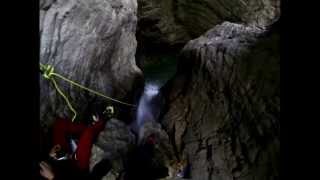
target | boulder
[
  {"x": 174, "y": 22},
  {"x": 223, "y": 105},
  {"x": 116, "y": 139},
  {"x": 93, "y": 43},
  {"x": 113, "y": 143}
]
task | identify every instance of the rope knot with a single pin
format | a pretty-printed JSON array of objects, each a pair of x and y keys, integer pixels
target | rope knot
[{"x": 47, "y": 71}]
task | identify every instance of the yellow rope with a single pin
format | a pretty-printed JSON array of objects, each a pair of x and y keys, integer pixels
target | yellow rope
[
  {"x": 66, "y": 99},
  {"x": 90, "y": 90},
  {"x": 48, "y": 73}
]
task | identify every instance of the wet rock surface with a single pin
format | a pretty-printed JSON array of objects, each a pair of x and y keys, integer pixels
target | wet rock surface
[
  {"x": 151, "y": 161},
  {"x": 131, "y": 160},
  {"x": 93, "y": 43},
  {"x": 174, "y": 22},
  {"x": 222, "y": 109},
  {"x": 223, "y": 105},
  {"x": 116, "y": 139},
  {"x": 113, "y": 144}
]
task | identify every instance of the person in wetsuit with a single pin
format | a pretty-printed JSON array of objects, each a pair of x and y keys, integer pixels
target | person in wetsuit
[{"x": 70, "y": 155}]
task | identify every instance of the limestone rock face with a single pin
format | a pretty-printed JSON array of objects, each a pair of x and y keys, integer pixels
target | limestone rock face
[
  {"x": 113, "y": 143},
  {"x": 151, "y": 161},
  {"x": 116, "y": 139},
  {"x": 91, "y": 42},
  {"x": 223, "y": 105},
  {"x": 164, "y": 150},
  {"x": 177, "y": 21}
]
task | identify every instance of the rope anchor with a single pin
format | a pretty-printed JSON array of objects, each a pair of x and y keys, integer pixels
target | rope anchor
[
  {"x": 47, "y": 71},
  {"x": 49, "y": 74}
]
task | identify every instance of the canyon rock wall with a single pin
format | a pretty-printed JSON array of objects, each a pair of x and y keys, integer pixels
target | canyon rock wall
[
  {"x": 91, "y": 42},
  {"x": 223, "y": 105},
  {"x": 175, "y": 22}
]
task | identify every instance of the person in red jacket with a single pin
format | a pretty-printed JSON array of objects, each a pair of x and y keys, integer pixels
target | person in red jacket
[{"x": 72, "y": 147}]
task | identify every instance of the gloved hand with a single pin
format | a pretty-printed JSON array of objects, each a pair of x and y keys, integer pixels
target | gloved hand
[
  {"x": 95, "y": 118},
  {"x": 46, "y": 171}
]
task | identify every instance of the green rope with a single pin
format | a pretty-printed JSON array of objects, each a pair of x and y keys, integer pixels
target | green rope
[{"x": 48, "y": 73}]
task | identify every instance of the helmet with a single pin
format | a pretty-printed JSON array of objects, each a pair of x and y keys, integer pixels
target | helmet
[{"x": 109, "y": 111}]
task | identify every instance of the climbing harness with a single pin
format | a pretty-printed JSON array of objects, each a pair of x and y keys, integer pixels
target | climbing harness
[{"x": 49, "y": 74}]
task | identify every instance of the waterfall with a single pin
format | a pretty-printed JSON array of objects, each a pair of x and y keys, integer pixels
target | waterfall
[{"x": 146, "y": 107}]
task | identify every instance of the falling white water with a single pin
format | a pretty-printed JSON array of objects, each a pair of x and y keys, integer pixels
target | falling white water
[{"x": 144, "y": 110}]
